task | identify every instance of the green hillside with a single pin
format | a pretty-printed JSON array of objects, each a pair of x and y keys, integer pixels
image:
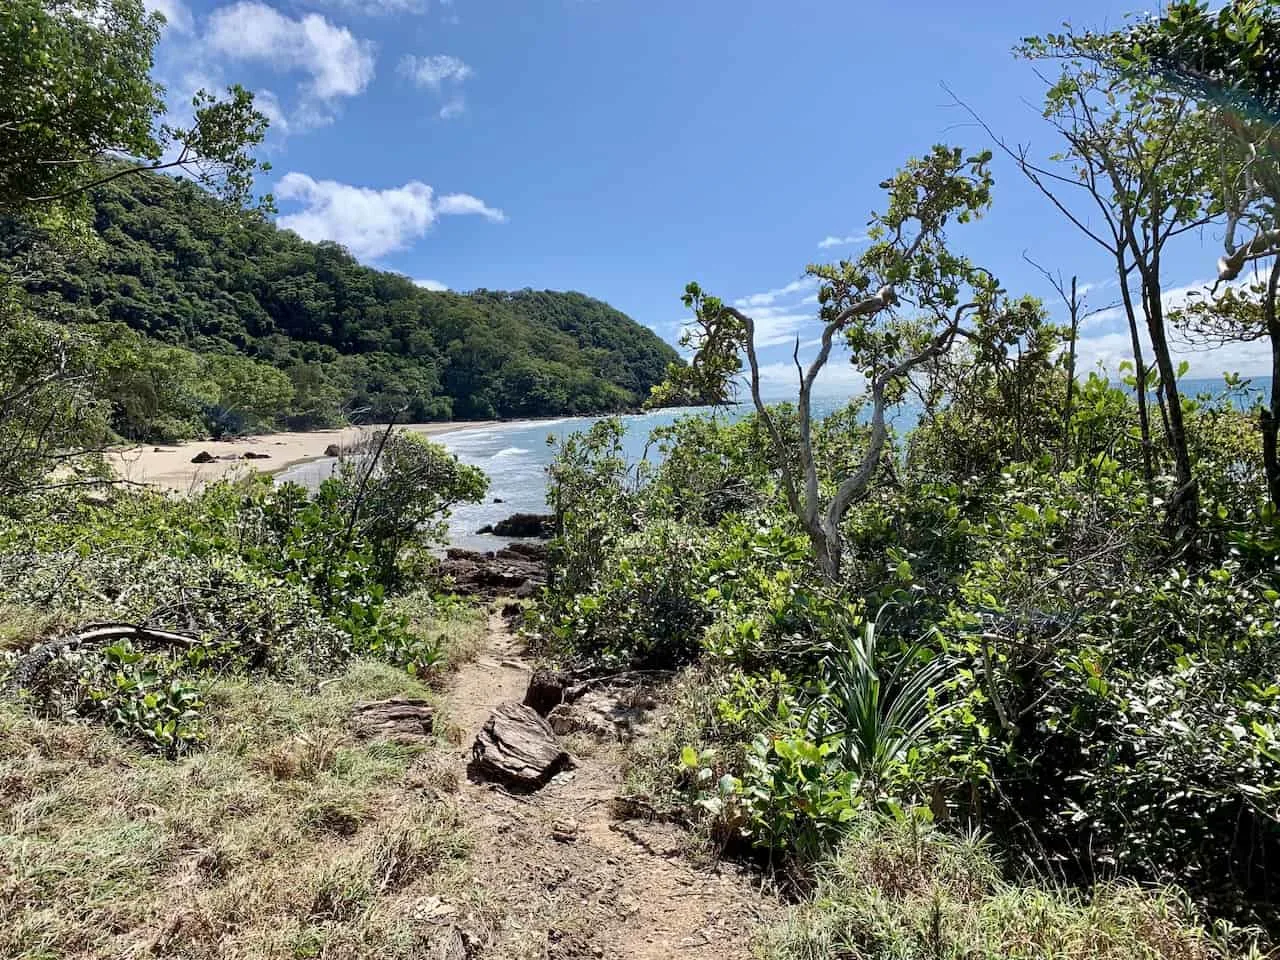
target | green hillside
[{"x": 177, "y": 266}]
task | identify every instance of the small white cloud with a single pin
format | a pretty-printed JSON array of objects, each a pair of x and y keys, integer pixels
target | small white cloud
[
  {"x": 374, "y": 8},
  {"x": 434, "y": 285},
  {"x": 370, "y": 223},
  {"x": 336, "y": 62},
  {"x": 463, "y": 204},
  {"x": 802, "y": 285},
  {"x": 441, "y": 74},
  {"x": 435, "y": 71},
  {"x": 177, "y": 16},
  {"x": 826, "y": 243}
]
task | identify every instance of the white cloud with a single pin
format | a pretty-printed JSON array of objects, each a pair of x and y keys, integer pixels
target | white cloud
[
  {"x": 435, "y": 71},
  {"x": 778, "y": 322},
  {"x": 462, "y": 204},
  {"x": 802, "y": 285},
  {"x": 443, "y": 75},
  {"x": 337, "y": 63},
  {"x": 176, "y": 15},
  {"x": 434, "y": 285},
  {"x": 374, "y": 8},
  {"x": 832, "y": 241},
  {"x": 780, "y": 381},
  {"x": 370, "y": 223}
]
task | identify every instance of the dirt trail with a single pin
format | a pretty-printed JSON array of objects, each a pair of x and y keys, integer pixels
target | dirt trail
[{"x": 617, "y": 889}]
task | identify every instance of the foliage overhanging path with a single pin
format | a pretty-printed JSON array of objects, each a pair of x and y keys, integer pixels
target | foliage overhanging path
[{"x": 617, "y": 888}]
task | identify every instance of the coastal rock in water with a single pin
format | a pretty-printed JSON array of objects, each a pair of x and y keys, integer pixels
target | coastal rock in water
[
  {"x": 250, "y": 455},
  {"x": 333, "y": 450},
  {"x": 204, "y": 456},
  {"x": 402, "y": 719},
  {"x": 518, "y": 746},
  {"x": 539, "y": 525}
]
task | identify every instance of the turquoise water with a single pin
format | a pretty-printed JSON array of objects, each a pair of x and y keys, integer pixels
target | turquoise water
[{"x": 516, "y": 455}]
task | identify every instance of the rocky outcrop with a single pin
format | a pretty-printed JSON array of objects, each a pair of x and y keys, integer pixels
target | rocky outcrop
[
  {"x": 204, "y": 456},
  {"x": 333, "y": 450},
  {"x": 519, "y": 570},
  {"x": 517, "y": 747},
  {"x": 539, "y": 526}
]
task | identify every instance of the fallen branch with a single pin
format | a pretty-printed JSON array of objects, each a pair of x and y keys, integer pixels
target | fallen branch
[{"x": 30, "y": 665}]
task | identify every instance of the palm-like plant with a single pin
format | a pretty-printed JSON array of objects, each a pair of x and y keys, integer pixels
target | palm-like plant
[{"x": 874, "y": 709}]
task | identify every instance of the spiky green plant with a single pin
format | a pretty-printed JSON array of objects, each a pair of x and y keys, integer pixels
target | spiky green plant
[{"x": 873, "y": 706}]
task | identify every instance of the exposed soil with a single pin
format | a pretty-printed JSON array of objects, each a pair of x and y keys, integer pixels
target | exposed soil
[{"x": 566, "y": 878}]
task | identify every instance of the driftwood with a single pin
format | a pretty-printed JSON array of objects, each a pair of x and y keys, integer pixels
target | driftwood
[
  {"x": 29, "y": 666},
  {"x": 402, "y": 719},
  {"x": 518, "y": 746}
]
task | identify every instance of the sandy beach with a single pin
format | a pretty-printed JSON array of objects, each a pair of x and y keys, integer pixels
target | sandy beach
[{"x": 170, "y": 466}]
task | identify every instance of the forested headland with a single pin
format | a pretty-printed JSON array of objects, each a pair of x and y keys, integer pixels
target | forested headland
[{"x": 208, "y": 319}]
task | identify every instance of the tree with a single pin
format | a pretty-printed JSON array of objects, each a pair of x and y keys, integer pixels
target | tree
[
  {"x": 76, "y": 90},
  {"x": 908, "y": 267},
  {"x": 399, "y": 491},
  {"x": 1228, "y": 60},
  {"x": 1138, "y": 156}
]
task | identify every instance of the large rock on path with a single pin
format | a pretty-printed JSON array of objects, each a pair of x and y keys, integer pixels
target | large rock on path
[{"x": 518, "y": 747}]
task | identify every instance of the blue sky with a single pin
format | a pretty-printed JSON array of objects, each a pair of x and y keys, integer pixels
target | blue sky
[{"x": 623, "y": 148}]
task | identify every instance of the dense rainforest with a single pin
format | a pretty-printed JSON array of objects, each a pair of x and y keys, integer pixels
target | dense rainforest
[{"x": 328, "y": 338}]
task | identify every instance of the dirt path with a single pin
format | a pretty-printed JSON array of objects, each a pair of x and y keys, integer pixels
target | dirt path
[{"x": 616, "y": 889}]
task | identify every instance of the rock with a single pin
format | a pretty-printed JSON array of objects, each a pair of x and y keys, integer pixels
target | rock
[
  {"x": 545, "y": 691},
  {"x": 250, "y": 455},
  {"x": 204, "y": 456},
  {"x": 504, "y": 573},
  {"x": 518, "y": 746},
  {"x": 566, "y": 719},
  {"x": 536, "y": 525},
  {"x": 486, "y": 529},
  {"x": 402, "y": 719},
  {"x": 333, "y": 450},
  {"x": 526, "y": 551},
  {"x": 498, "y": 500},
  {"x": 565, "y": 830}
]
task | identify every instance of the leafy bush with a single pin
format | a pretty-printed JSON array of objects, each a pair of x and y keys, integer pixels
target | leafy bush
[
  {"x": 1095, "y": 693},
  {"x": 267, "y": 580}
]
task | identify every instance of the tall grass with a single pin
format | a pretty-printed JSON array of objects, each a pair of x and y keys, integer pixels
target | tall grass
[{"x": 902, "y": 890}]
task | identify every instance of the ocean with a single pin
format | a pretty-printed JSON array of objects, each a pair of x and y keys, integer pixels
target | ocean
[{"x": 516, "y": 455}]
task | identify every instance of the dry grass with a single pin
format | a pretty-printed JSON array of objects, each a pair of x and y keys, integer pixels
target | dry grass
[{"x": 285, "y": 838}]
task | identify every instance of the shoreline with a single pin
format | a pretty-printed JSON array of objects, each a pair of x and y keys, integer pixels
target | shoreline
[{"x": 169, "y": 466}]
